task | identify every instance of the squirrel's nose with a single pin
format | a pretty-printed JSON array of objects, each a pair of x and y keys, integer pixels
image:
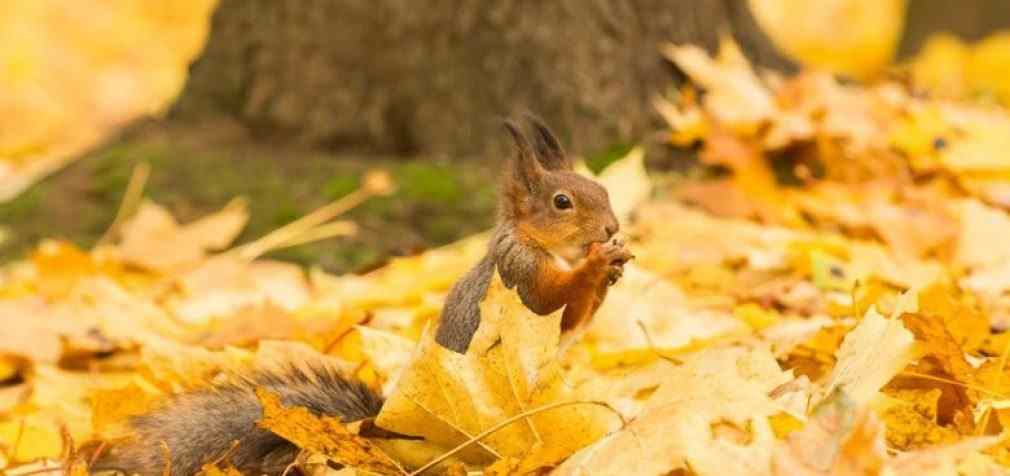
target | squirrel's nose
[{"x": 611, "y": 229}]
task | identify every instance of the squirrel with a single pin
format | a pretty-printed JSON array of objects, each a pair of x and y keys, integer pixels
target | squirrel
[{"x": 554, "y": 244}]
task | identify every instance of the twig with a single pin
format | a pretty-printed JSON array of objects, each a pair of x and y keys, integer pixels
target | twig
[
  {"x": 654, "y": 349},
  {"x": 374, "y": 184},
  {"x": 134, "y": 192},
  {"x": 322, "y": 232},
  {"x": 507, "y": 422},
  {"x": 296, "y": 228}
]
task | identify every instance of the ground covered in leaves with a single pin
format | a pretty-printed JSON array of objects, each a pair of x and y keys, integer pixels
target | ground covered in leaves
[{"x": 825, "y": 295}]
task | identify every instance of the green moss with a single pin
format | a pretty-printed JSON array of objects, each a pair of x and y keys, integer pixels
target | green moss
[
  {"x": 429, "y": 182},
  {"x": 436, "y": 203},
  {"x": 600, "y": 160},
  {"x": 23, "y": 207},
  {"x": 340, "y": 185}
]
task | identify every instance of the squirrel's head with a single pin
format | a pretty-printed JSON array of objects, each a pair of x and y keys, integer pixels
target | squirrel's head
[{"x": 561, "y": 210}]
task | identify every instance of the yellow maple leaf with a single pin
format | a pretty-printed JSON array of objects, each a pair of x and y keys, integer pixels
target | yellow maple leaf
[{"x": 511, "y": 367}]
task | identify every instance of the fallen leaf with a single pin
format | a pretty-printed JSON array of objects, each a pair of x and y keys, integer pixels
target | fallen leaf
[
  {"x": 939, "y": 355},
  {"x": 735, "y": 96},
  {"x": 982, "y": 231},
  {"x": 839, "y": 440},
  {"x": 111, "y": 407},
  {"x": 677, "y": 428},
  {"x": 224, "y": 285},
  {"x": 438, "y": 269},
  {"x": 219, "y": 469},
  {"x": 962, "y": 457},
  {"x": 645, "y": 312},
  {"x": 152, "y": 239},
  {"x": 911, "y": 419},
  {"x": 248, "y": 326},
  {"x": 871, "y": 354},
  {"x": 324, "y": 435},
  {"x": 510, "y": 367},
  {"x": 388, "y": 352}
]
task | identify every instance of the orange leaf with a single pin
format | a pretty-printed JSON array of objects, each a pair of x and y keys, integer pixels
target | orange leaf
[{"x": 324, "y": 435}]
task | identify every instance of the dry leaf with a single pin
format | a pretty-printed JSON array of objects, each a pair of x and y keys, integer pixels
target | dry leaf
[
  {"x": 959, "y": 458},
  {"x": 645, "y": 312},
  {"x": 152, "y": 239},
  {"x": 911, "y": 419},
  {"x": 735, "y": 94},
  {"x": 219, "y": 469},
  {"x": 324, "y": 435},
  {"x": 677, "y": 428},
  {"x": 871, "y": 354},
  {"x": 510, "y": 367},
  {"x": 224, "y": 285},
  {"x": 839, "y": 440},
  {"x": 388, "y": 352},
  {"x": 112, "y": 406}
]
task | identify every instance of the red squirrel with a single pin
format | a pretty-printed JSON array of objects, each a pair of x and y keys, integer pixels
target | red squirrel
[{"x": 554, "y": 244}]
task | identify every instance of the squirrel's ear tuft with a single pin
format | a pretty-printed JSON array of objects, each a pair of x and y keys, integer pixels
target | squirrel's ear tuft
[
  {"x": 526, "y": 169},
  {"x": 548, "y": 149}
]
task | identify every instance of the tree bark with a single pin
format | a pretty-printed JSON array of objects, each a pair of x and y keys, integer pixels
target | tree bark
[
  {"x": 408, "y": 77},
  {"x": 968, "y": 19}
]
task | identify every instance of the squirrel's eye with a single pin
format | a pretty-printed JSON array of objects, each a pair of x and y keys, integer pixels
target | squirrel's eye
[{"x": 562, "y": 202}]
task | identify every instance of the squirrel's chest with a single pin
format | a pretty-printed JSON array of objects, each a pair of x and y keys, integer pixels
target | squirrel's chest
[{"x": 560, "y": 263}]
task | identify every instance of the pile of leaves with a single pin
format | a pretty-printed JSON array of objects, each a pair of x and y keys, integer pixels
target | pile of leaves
[{"x": 825, "y": 293}]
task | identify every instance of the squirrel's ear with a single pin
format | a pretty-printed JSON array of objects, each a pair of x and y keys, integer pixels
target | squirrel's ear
[
  {"x": 526, "y": 167},
  {"x": 549, "y": 151}
]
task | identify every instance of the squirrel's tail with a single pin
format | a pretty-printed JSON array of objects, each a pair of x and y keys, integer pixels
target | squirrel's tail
[{"x": 201, "y": 426}]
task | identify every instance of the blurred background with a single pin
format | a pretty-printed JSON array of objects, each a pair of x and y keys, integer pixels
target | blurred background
[{"x": 289, "y": 102}]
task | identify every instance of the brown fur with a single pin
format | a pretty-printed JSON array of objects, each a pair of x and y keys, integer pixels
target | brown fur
[
  {"x": 533, "y": 234},
  {"x": 220, "y": 421}
]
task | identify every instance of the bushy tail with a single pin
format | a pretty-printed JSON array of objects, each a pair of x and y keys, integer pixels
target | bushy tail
[{"x": 203, "y": 425}]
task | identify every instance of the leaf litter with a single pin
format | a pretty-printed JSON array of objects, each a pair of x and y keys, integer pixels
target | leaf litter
[{"x": 835, "y": 302}]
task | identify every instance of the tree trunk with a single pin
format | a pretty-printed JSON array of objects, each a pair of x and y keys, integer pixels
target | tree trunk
[
  {"x": 408, "y": 77},
  {"x": 968, "y": 19}
]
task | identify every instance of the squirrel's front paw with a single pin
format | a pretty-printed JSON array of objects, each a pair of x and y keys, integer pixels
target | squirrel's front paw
[
  {"x": 614, "y": 273},
  {"x": 610, "y": 256}
]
